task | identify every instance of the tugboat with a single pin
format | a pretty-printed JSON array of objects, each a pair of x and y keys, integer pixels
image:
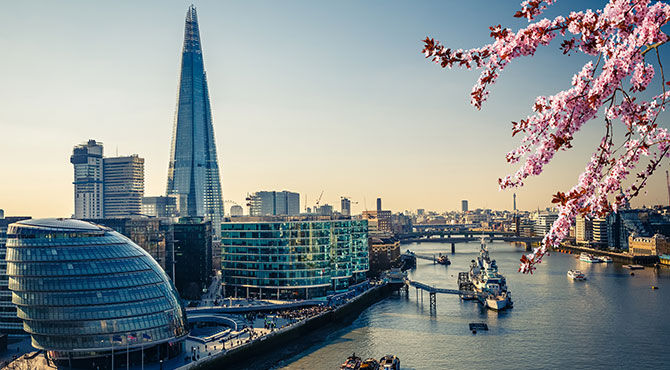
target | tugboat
[
  {"x": 490, "y": 286},
  {"x": 352, "y": 362},
  {"x": 576, "y": 275},
  {"x": 390, "y": 362},
  {"x": 443, "y": 260},
  {"x": 370, "y": 364}
]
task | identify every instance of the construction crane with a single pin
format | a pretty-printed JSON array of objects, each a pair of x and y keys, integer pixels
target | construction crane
[
  {"x": 318, "y": 200},
  {"x": 348, "y": 198}
]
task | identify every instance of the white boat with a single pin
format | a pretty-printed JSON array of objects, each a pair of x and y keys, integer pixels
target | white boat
[
  {"x": 605, "y": 259},
  {"x": 490, "y": 286},
  {"x": 587, "y": 257},
  {"x": 576, "y": 275}
]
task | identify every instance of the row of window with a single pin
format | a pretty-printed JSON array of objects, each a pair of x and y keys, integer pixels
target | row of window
[
  {"x": 109, "y": 311},
  {"x": 90, "y": 297},
  {"x": 49, "y": 269},
  {"x": 83, "y": 283},
  {"x": 71, "y": 253},
  {"x": 85, "y": 327},
  {"x": 82, "y": 240},
  {"x": 274, "y": 283}
]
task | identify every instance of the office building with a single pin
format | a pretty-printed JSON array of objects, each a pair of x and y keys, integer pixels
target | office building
[
  {"x": 274, "y": 203},
  {"x": 383, "y": 220},
  {"x": 583, "y": 230},
  {"x": 641, "y": 222},
  {"x": 464, "y": 205},
  {"x": 83, "y": 289},
  {"x": 10, "y": 324},
  {"x": 543, "y": 223},
  {"x": 123, "y": 184},
  {"x": 88, "y": 180},
  {"x": 236, "y": 211},
  {"x": 648, "y": 246},
  {"x": 193, "y": 255},
  {"x": 383, "y": 253},
  {"x": 193, "y": 170},
  {"x": 299, "y": 257},
  {"x": 345, "y": 206},
  {"x": 161, "y": 206},
  {"x": 324, "y": 210},
  {"x": 379, "y": 204}
]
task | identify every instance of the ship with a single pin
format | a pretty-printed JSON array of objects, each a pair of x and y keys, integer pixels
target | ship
[
  {"x": 370, "y": 364},
  {"x": 352, "y": 362},
  {"x": 587, "y": 257},
  {"x": 576, "y": 275},
  {"x": 605, "y": 259},
  {"x": 489, "y": 285},
  {"x": 390, "y": 362},
  {"x": 443, "y": 260}
]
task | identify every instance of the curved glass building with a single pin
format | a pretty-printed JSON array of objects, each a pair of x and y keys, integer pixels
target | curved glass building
[
  {"x": 82, "y": 289},
  {"x": 294, "y": 258}
]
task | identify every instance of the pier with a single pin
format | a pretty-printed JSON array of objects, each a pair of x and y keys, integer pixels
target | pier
[{"x": 465, "y": 290}]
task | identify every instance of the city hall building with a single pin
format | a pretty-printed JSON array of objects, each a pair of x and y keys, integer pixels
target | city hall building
[
  {"x": 83, "y": 290},
  {"x": 292, "y": 257}
]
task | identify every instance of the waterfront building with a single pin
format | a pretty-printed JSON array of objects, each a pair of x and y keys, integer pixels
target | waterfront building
[
  {"x": 161, "y": 206},
  {"x": 10, "y": 324},
  {"x": 648, "y": 246},
  {"x": 193, "y": 170},
  {"x": 464, "y": 205},
  {"x": 292, "y": 257},
  {"x": 236, "y": 211},
  {"x": 383, "y": 220},
  {"x": 82, "y": 289},
  {"x": 123, "y": 184},
  {"x": 543, "y": 223},
  {"x": 88, "y": 180},
  {"x": 583, "y": 230},
  {"x": 345, "y": 206},
  {"x": 383, "y": 252},
  {"x": 192, "y": 238},
  {"x": 145, "y": 232},
  {"x": 599, "y": 228},
  {"x": 641, "y": 222},
  {"x": 274, "y": 203}
]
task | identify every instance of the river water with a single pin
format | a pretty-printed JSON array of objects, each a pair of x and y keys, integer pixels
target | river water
[{"x": 612, "y": 320}]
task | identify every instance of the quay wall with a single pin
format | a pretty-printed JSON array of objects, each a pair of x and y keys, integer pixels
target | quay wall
[
  {"x": 616, "y": 256},
  {"x": 278, "y": 339}
]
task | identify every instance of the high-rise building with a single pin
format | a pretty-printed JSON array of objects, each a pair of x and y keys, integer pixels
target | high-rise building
[
  {"x": 379, "y": 204},
  {"x": 160, "y": 206},
  {"x": 236, "y": 211},
  {"x": 345, "y": 206},
  {"x": 193, "y": 256},
  {"x": 464, "y": 205},
  {"x": 193, "y": 169},
  {"x": 514, "y": 201},
  {"x": 88, "y": 180},
  {"x": 324, "y": 210},
  {"x": 274, "y": 203},
  {"x": 583, "y": 230},
  {"x": 123, "y": 184}
]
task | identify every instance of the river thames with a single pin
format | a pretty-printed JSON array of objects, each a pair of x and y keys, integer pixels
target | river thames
[{"x": 612, "y": 320}]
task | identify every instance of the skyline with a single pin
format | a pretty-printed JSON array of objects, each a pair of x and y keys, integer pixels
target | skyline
[{"x": 340, "y": 86}]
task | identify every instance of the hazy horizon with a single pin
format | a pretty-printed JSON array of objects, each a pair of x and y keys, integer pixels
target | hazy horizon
[{"x": 307, "y": 97}]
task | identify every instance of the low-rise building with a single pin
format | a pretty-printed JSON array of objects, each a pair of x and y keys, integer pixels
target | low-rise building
[
  {"x": 648, "y": 246},
  {"x": 383, "y": 252}
]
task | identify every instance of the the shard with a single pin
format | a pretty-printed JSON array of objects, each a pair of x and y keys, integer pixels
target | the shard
[{"x": 193, "y": 173}]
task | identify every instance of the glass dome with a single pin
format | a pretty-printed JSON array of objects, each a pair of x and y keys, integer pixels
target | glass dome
[{"x": 82, "y": 288}]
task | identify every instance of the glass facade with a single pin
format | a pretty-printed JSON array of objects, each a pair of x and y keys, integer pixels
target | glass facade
[
  {"x": 193, "y": 170},
  {"x": 81, "y": 289},
  {"x": 293, "y": 259}
]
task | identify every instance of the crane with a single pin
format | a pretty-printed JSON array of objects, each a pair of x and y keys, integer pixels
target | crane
[
  {"x": 318, "y": 200},
  {"x": 349, "y": 199}
]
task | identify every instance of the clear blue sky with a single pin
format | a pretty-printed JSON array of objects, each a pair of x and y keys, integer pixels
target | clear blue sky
[{"x": 306, "y": 96}]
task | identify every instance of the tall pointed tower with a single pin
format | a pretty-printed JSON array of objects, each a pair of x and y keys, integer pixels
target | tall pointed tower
[{"x": 193, "y": 172}]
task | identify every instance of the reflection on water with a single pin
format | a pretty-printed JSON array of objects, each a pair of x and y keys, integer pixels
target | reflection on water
[{"x": 611, "y": 320}]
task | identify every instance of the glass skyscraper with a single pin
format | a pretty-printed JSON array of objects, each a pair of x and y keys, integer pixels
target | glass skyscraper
[{"x": 193, "y": 171}]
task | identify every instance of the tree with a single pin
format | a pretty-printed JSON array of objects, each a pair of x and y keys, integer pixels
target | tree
[{"x": 619, "y": 38}]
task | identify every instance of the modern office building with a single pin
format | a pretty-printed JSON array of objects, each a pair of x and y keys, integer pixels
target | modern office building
[
  {"x": 299, "y": 257},
  {"x": 324, "y": 210},
  {"x": 192, "y": 238},
  {"x": 583, "y": 230},
  {"x": 543, "y": 223},
  {"x": 88, "y": 180},
  {"x": 10, "y": 324},
  {"x": 236, "y": 211},
  {"x": 464, "y": 205},
  {"x": 274, "y": 203},
  {"x": 641, "y": 222},
  {"x": 161, "y": 206},
  {"x": 123, "y": 184},
  {"x": 193, "y": 170},
  {"x": 345, "y": 206},
  {"x": 383, "y": 220},
  {"x": 83, "y": 290}
]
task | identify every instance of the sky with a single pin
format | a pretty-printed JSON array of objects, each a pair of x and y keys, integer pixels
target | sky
[{"x": 312, "y": 97}]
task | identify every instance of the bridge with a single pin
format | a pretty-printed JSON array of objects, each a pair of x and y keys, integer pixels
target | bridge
[
  {"x": 432, "y": 258},
  {"x": 439, "y": 234}
]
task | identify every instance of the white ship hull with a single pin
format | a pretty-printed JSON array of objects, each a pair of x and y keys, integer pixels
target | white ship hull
[{"x": 497, "y": 304}]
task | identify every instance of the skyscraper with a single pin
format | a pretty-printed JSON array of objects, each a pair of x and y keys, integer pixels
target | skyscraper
[
  {"x": 123, "y": 183},
  {"x": 271, "y": 203},
  {"x": 464, "y": 205},
  {"x": 88, "y": 180},
  {"x": 346, "y": 206},
  {"x": 193, "y": 170},
  {"x": 379, "y": 204}
]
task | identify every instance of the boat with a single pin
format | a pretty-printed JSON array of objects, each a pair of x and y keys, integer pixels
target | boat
[
  {"x": 370, "y": 364},
  {"x": 489, "y": 285},
  {"x": 576, "y": 275},
  {"x": 587, "y": 257},
  {"x": 443, "y": 260},
  {"x": 605, "y": 259},
  {"x": 664, "y": 259},
  {"x": 352, "y": 362},
  {"x": 391, "y": 362},
  {"x": 633, "y": 267}
]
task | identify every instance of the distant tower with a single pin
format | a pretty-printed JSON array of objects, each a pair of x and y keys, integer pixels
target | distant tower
[
  {"x": 379, "y": 204},
  {"x": 193, "y": 170},
  {"x": 514, "y": 197},
  {"x": 346, "y": 206},
  {"x": 464, "y": 205},
  {"x": 123, "y": 185},
  {"x": 88, "y": 180}
]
